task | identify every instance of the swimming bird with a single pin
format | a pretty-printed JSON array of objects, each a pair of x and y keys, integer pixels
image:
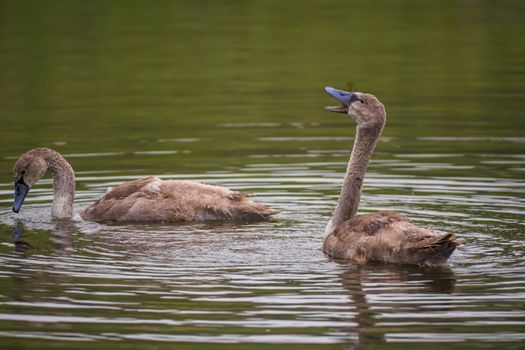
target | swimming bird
[
  {"x": 148, "y": 199},
  {"x": 386, "y": 236}
]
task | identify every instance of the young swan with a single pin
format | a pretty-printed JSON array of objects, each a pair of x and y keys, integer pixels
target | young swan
[
  {"x": 144, "y": 200},
  {"x": 385, "y": 236}
]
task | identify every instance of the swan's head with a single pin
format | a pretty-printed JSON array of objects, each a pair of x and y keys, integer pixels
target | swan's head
[
  {"x": 366, "y": 109},
  {"x": 28, "y": 169}
]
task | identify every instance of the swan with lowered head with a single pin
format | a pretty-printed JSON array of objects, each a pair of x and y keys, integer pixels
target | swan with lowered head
[
  {"x": 386, "y": 236},
  {"x": 148, "y": 199}
]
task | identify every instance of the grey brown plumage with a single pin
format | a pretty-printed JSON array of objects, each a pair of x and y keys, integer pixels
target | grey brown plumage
[
  {"x": 388, "y": 236},
  {"x": 385, "y": 236},
  {"x": 148, "y": 199},
  {"x": 174, "y": 201}
]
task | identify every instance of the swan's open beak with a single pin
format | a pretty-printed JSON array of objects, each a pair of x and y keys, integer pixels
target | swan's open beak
[
  {"x": 345, "y": 97},
  {"x": 21, "y": 190}
]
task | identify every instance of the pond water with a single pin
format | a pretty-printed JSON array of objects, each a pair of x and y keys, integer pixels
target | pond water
[{"x": 231, "y": 93}]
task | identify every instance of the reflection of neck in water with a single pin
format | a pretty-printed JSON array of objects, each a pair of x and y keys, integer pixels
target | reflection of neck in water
[
  {"x": 45, "y": 247},
  {"x": 356, "y": 277},
  {"x": 61, "y": 237}
]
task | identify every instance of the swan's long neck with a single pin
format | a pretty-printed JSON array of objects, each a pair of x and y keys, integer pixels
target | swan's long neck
[
  {"x": 63, "y": 186},
  {"x": 364, "y": 144}
]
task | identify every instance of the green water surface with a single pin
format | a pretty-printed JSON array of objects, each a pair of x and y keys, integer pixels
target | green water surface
[{"x": 231, "y": 93}]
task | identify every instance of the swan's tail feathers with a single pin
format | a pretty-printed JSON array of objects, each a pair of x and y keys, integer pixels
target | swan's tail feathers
[
  {"x": 436, "y": 251},
  {"x": 252, "y": 211}
]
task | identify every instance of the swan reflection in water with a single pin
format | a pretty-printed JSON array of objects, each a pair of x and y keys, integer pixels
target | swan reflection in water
[
  {"x": 373, "y": 288},
  {"x": 30, "y": 245},
  {"x": 61, "y": 237}
]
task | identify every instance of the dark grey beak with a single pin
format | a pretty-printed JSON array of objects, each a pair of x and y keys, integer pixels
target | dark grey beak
[
  {"x": 345, "y": 97},
  {"x": 21, "y": 190}
]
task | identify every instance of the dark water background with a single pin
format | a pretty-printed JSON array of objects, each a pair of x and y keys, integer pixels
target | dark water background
[{"x": 230, "y": 92}]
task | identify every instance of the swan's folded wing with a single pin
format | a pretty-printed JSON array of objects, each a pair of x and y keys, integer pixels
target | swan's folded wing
[
  {"x": 388, "y": 237},
  {"x": 118, "y": 201},
  {"x": 359, "y": 238},
  {"x": 129, "y": 188}
]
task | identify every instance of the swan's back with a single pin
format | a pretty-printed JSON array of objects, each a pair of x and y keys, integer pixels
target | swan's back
[
  {"x": 152, "y": 199},
  {"x": 388, "y": 236}
]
